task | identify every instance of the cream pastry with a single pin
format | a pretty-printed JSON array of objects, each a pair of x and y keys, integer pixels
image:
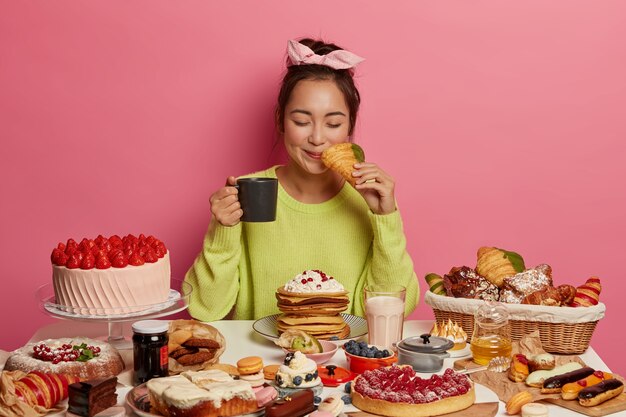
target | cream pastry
[
  {"x": 451, "y": 331},
  {"x": 298, "y": 371}
]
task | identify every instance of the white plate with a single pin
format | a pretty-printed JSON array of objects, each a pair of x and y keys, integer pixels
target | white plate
[
  {"x": 266, "y": 327},
  {"x": 461, "y": 353},
  {"x": 137, "y": 399},
  {"x": 62, "y": 311}
]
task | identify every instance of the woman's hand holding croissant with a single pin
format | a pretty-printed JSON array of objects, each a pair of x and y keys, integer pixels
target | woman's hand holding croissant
[{"x": 376, "y": 187}]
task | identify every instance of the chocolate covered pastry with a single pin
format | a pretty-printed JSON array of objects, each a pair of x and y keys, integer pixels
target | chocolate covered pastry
[
  {"x": 464, "y": 282},
  {"x": 567, "y": 292},
  {"x": 515, "y": 288}
]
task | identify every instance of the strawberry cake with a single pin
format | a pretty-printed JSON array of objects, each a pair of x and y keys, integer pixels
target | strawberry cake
[
  {"x": 113, "y": 275},
  {"x": 396, "y": 391}
]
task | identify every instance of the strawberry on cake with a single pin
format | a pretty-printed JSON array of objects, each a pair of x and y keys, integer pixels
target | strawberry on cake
[
  {"x": 313, "y": 302},
  {"x": 397, "y": 391},
  {"x": 111, "y": 275}
]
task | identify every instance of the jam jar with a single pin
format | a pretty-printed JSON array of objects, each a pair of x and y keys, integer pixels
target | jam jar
[
  {"x": 492, "y": 333},
  {"x": 150, "y": 353}
]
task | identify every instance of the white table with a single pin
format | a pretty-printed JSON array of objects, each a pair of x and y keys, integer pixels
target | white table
[{"x": 242, "y": 341}]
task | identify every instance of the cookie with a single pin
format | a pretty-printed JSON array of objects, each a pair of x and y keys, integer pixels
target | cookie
[
  {"x": 196, "y": 358},
  {"x": 201, "y": 343},
  {"x": 249, "y": 365},
  {"x": 269, "y": 372},
  {"x": 178, "y": 352},
  {"x": 229, "y": 369}
]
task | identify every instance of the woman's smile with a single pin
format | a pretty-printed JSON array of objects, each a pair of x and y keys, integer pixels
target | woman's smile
[{"x": 313, "y": 155}]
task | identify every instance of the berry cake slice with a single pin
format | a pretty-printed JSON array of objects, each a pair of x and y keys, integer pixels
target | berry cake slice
[{"x": 396, "y": 391}]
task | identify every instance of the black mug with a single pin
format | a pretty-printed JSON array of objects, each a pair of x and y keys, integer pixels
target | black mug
[{"x": 257, "y": 197}]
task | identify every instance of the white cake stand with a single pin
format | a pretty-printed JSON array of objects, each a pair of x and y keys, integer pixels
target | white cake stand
[{"x": 177, "y": 301}]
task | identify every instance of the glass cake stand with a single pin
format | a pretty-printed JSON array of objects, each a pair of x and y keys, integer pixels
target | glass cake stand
[{"x": 177, "y": 301}]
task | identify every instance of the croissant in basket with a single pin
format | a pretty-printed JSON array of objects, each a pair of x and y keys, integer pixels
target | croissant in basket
[{"x": 496, "y": 264}]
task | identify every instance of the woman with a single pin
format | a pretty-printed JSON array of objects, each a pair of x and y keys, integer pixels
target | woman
[{"x": 322, "y": 222}]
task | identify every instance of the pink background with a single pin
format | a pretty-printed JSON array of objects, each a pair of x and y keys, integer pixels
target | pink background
[{"x": 502, "y": 122}]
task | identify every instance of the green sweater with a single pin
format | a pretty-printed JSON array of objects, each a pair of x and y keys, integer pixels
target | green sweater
[{"x": 243, "y": 265}]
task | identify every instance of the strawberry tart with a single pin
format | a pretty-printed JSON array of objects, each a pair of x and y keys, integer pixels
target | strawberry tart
[
  {"x": 113, "y": 275},
  {"x": 397, "y": 391},
  {"x": 79, "y": 357}
]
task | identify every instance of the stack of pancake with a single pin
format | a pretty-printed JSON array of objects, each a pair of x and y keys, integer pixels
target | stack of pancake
[{"x": 310, "y": 304}]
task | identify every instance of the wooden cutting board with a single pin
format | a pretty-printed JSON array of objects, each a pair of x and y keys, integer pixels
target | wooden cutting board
[
  {"x": 609, "y": 407},
  {"x": 477, "y": 410}
]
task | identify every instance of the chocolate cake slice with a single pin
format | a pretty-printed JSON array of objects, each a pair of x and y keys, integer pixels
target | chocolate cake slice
[{"x": 88, "y": 398}]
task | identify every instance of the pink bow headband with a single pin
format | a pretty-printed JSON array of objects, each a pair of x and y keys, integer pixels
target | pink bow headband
[{"x": 303, "y": 55}]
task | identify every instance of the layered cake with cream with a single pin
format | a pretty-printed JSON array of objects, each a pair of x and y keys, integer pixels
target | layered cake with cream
[
  {"x": 313, "y": 302},
  {"x": 113, "y": 275},
  {"x": 297, "y": 371},
  {"x": 211, "y": 393}
]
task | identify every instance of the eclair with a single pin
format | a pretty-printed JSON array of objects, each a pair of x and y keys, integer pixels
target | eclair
[
  {"x": 518, "y": 371},
  {"x": 554, "y": 384},
  {"x": 601, "y": 392},
  {"x": 570, "y": 391},
  {"x": 535, "y": 379}
]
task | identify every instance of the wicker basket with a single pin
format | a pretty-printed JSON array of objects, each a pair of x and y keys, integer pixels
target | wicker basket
[{"x": 562, "y": 330}]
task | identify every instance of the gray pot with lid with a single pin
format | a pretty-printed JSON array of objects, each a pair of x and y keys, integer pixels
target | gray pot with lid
[{"x": 425, "y": 353}]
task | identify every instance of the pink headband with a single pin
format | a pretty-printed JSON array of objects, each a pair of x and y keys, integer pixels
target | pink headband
[{"x": 302, "y": 55}]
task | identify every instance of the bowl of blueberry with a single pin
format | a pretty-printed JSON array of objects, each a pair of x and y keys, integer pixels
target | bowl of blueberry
[{"x": 362, "y": 357}]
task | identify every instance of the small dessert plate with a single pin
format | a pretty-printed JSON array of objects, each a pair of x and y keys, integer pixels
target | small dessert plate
[
  {"x": 330, "y": 348},
  {"x": 461, "y": 353}
]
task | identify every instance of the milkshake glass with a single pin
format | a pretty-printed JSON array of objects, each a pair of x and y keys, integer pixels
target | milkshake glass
[{"x": 384, "y": 309}]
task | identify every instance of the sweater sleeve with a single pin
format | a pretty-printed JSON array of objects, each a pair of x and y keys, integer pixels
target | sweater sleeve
[
  {"x": 214, "y": 276},
  {"x": 390, "y": 263}
]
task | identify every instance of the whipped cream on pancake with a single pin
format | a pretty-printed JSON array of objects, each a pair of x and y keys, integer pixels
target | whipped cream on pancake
[{"x": 313, "y": 280}]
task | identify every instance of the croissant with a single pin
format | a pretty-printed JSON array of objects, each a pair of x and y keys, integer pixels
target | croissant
[
  {"x": 548, "y": 296},
  {"x": 588, "y": 294},
  {"x": 568, "y": 292},
  {"x": 342, "y": 157},
  {"x": 43, "y": 389},
  {"x": 496, "y": 264}
]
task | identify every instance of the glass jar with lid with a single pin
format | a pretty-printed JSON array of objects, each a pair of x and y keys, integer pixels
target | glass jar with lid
[
  {"x": 492, "y": 333},
  {"x": 150, "y": 353}
]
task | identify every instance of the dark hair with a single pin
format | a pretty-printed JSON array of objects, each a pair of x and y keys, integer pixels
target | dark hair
[{"x": 296, "y": 73}]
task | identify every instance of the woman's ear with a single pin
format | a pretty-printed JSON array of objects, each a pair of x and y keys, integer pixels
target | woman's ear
[{"x": 279, "y": 127}]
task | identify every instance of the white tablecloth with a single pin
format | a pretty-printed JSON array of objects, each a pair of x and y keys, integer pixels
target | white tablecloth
[{"x": 241, "y": 341}]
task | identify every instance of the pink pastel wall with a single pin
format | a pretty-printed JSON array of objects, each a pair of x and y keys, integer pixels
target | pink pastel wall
[{"x": 503, "y": 123}]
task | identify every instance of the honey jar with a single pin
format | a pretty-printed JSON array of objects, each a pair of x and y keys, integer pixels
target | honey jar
[{"x": 492, "y": 333}]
